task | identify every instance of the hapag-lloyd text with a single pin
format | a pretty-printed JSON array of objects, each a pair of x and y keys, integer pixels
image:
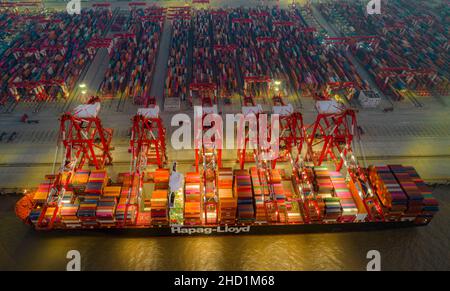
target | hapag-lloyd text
[{"x": 210, "y": 230}]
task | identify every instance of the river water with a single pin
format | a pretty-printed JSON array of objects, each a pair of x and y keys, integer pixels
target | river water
[{"x": 424, "y": 248}]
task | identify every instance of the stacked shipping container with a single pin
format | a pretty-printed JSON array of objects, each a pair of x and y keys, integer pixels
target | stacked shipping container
[{"x": 51, "y": 48}]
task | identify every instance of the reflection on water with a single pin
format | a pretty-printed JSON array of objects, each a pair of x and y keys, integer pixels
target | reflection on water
[{"x": 424, "y": 248}]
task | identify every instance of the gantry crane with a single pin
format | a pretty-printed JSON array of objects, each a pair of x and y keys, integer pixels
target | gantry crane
[
  {"x": 403, "y": 73},
  {"x": 148, "y": 142},
  {"x": 204, "y": 91},
  {"x": 210, "y": 157},
  {"x": 331, "y": 138},
  {"x": 331, "y": 135},
  {"x": 344, "y": 91},
  {"x": 291, "y": 139},
  {"x": 38, "y": 89},
  {"x": 84, "y": 139},
  {"x": 290, "y": 143},
  {"x": 291, "y": 131},
  {"x": 249, "y": 136},
  {"x": 249, "y": 80},
  {"x": 250, "y": 140},
  {"x": 148, "y": 147}
]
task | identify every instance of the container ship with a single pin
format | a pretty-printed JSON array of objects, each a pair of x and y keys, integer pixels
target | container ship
[{"x": 315, "y": 184}]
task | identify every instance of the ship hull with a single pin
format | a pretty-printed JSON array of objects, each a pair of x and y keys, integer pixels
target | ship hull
[{"x": 241, "y": 229}]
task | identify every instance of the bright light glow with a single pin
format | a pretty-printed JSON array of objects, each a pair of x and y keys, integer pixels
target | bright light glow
[
  {"x": 82, "y": 85},
  {"x": 83, "y": 92},
  {"x": 278, "y": 83}
]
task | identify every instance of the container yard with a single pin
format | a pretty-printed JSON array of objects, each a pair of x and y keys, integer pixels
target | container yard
[
  {"x": 92, "y": 106},
  {"x": 408, "y": 61}
]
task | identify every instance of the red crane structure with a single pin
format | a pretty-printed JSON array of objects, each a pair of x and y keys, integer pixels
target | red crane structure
[
  {"x": 331, "y": 138},
  {"x": 249, "y": 109},
  {"x": 134, "y": 5},
  {"x": 386, "y": 74},
  {"x": 148, "y": 139},
  {"x": 291, "y": 131},
  {"x": 83, "y": 139},
  {"x": 266, "y": 39},
  {"x": 204, "y": 90},
  {"x": 332, "y": 133},
  {"x": 38, "y": 89},
  {"x": 100, "y": 6},
  {"x": 24, "y": 4},
  {"x": 249, "y": 80},
  {"x": 210, "y": 158},
  {"x": 241, "y": 21},
  {"x": 336, "y": 87},
  {"x": 148, "y": 147},
  {"x": 208, "y": 107}
]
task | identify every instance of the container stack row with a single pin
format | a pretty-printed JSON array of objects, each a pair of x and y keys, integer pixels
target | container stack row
[
  {"x": 261, "y": 192},
  {"x": 311, "y": 63},
  {"x": 279, "y": 194},
  {"x": 332, "y": 204},
  {"x": 202, "y": 62},
  {"x": 389, "y": 192},
  {"x": 242, "y": 28},
  {"x": 159, "y": 198},
  {"x": 193, "y": 203},
  {"x": 244, "y": 194},
  {"x": 225, "y": 57},
  {"x": 52, "y": 49},
  {"x": 106, "y": 208},
  {"x": 176, "y": 84},
  {"x": 412, "y": 192},
  {"x": 342, "y": 191},
  {"x": 126, "y": 213},
  {"x": 227, "y": 199},
  {"x": 313, "y": 212},
  {"x": 269, "y": 40},
  {"x": 430, "y": 205},
  {"x": 403, "y": 193},
  {"x": 133, "y": 57},
  {"x": 259, "y": 196}
]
